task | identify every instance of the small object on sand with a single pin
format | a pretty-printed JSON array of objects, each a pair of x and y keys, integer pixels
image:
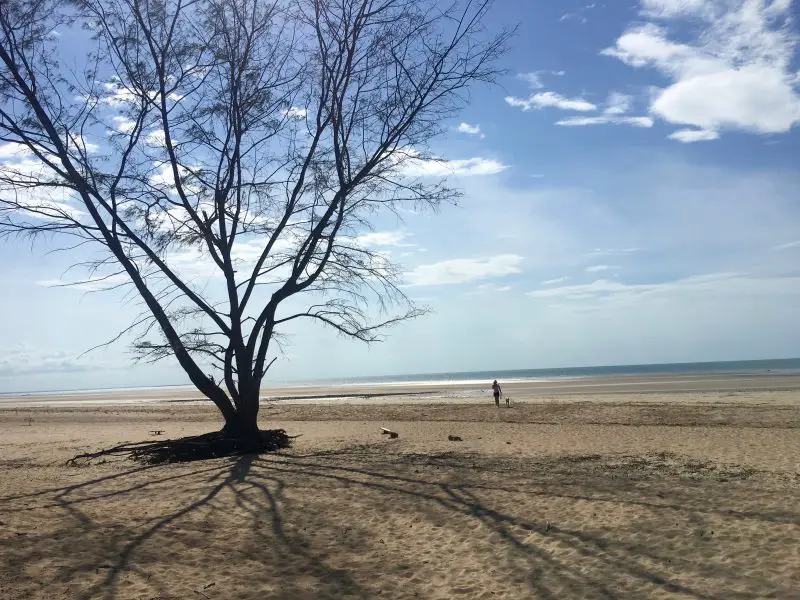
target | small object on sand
[
  {"x": 156, "y": 432},
  {"x": 547, "y": 527},
  {"x": 508, "y": 442},
  {"x": 389, "y": 432},
  {"x": 454, "y": 438}
]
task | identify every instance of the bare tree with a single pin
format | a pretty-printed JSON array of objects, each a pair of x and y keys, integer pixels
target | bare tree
[{"x": 251, "y": 140}]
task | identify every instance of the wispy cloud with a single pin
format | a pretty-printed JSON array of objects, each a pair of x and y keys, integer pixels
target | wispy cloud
[
  {"x": 572, "y": 17},
  {"x": 604, "y": 294},
  {"x": 689, "y": 136},
  {"x": 534, "y": 78},
  {"x": 551, "y": 100},
  {"x": 736, "y": 74},
  {"x": 672, "y": 8},
  {"x": 579, "y": 15},
  {"x": 644, "y": 122},
  {"x": 616, "y": 106},
  {"x": 601, "y": 268},
  {"x": 488, "y": 288},
  {"x": 417, "y": 167},
  {"x": 788, "y": 246},
  {"x": 40, "y": 202},
  {"x": 26, "y": 360},
  {"x": 123, "y": 124},
  {"x": 556, "y": 281},
  {"x": 464, "y": 270},
  {"x": 613, "y": 251},
  {"x": 618, "y": 103},
  {"x": 384, "y": 238}
]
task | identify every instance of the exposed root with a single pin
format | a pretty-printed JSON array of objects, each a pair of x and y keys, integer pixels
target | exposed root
[{"x": 200, "y": 447}]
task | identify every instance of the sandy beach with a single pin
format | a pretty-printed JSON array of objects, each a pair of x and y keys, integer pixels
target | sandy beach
[{"x": 682, "y": 487}]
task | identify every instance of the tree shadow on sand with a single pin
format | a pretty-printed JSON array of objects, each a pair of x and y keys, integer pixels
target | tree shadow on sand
[{"x": 361, "y": 522}]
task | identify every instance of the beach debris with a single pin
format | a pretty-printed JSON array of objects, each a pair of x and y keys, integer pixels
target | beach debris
[
  {"x": 210, "y": 585},
  {"x": 156, "y": 432},
  {"x": 547, "y": 527},
  {"x": 454, "y": 438},
  {"x": 508, "y": 442},
  {"x": 389, "y": 432}
]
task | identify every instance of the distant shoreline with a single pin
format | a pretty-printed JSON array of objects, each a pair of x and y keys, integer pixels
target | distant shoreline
[
  {"x": 598, "y": 389},
  {"x": 751, "y": 368}
]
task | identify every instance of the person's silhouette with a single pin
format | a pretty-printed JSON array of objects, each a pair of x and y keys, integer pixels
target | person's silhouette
[{"x": 496, "y": 391}]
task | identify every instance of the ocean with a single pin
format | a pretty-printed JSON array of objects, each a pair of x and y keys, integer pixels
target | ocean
[
  {"x": 778, "y": 366},
  {"x": 787, "y": 365}
]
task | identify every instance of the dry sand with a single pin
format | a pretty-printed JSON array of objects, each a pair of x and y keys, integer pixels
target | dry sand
[{"x": 647, "y": 495}]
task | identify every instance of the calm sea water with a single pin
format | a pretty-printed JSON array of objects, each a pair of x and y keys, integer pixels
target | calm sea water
[{"x": 791, "y": 365}]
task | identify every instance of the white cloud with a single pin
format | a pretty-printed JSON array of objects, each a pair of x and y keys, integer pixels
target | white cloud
[
  {"x": 295, "y": 112},
  {"x": 411, "y": 166},
  {"x": 788, "y": 246},
  {"x": 384, "y": 238},
  {"x": 42, "y": 202},
  {"x": 688, "y": 136},
  {"x": 123, "y": 124},
  {"x": 551, "y": 100},
  {"x": 116, "y": 94},
  {"x": 464, "y": 270},
  {"x": 194, "y": 264},
  {"x": 754, "y": 98},
  {"x": 645, "y": 122},
  {"x": 618, "y": 104},
  {"x": 469, "y": 129},
  {"x": 157, "y": 138},
  {"x": 736, "y": 74},
  {"x": 601, "y": 268},
  {"x": 13, "y": 150},
  {"x": 555, "y": 281}
]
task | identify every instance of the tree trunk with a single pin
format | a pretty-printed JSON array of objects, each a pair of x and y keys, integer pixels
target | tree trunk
[{"x": 242, "y": 424}]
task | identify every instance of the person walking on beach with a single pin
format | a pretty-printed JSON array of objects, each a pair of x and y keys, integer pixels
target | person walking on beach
[{"x": 496, "y": 391}]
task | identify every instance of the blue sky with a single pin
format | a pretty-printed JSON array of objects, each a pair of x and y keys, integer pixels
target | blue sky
[{"x": 631, "y": 195}]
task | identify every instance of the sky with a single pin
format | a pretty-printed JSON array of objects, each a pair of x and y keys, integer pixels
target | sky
[{"x": 631, "y": 196}]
